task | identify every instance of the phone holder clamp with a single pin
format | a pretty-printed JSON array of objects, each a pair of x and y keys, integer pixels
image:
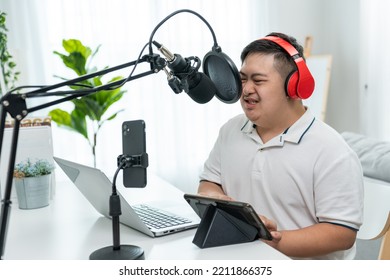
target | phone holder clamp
[{"x": 126, "y": 161}]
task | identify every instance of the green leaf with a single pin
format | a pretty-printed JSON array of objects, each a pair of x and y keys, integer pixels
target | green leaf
[
  {"x": 60, "y": 117},
  {"x": 74, "y": 121},
  {"x": 114, "y": 115},
  {"x": 79, "y": 123},
  {"x": 76, "y": 61},
  {"x": 109, "y": 118},
  {"x": 89, "y": 107},
  {"x": 75, "y": 46}
]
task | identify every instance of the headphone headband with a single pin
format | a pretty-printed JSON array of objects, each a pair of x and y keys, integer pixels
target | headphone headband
[{"x": 300, "y": 83}]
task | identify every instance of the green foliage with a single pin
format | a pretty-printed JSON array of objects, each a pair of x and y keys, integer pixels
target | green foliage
[
  {"x": 29, "y": 168},
  {"x": 7, "y": 65},
  {"x": 87, "y": 109}
]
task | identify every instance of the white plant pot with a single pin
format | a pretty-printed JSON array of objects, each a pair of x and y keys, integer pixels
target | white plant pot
[{"x": 33, "y": 192}]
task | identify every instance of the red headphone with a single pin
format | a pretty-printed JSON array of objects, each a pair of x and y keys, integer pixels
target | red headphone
[{"x": 300, "y": 83}]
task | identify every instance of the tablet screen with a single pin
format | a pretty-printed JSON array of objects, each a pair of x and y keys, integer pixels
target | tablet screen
[{"x": 241, "y": 210}]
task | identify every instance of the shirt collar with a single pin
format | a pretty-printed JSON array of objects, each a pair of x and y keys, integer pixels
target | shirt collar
[
  {"x": 298, "y": 130},
  {"x": 293, "y": 134},
  {"x": 248, "y": 127}
]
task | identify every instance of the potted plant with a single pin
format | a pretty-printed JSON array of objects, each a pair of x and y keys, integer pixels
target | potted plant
[
  {"x": 89, "y": 112},
  {"x": 8, "y": 73},
  {"x": 32, "y": 183}
]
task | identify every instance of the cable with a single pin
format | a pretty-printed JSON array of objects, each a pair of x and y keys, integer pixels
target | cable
[{"x": 175, "y": 13}]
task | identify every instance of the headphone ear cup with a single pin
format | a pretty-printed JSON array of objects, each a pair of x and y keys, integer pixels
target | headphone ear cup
[{"x": 291, "y": 84}]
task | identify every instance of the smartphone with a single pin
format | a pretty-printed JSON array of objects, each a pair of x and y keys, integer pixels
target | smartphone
[{"x": 134, "y": 144}]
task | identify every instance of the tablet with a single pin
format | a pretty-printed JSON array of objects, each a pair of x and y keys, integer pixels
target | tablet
[{"x": 241, "y": 210}]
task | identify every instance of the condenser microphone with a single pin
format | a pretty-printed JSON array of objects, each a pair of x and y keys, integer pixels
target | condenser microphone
[{"x": 185, "y": 76}]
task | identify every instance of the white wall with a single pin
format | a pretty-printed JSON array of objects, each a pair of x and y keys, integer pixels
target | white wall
[{"x": 334, "y": 26}]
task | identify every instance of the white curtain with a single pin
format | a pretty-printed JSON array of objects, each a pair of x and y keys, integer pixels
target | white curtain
[
  {"x": 375, "y": 70},
  {"x": 180, "y": 132}
]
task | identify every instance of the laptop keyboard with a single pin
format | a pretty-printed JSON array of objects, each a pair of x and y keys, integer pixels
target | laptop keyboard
[{"x": 157, "y": 218}]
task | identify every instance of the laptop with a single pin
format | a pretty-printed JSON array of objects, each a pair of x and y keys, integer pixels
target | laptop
[{"x": 97, "y": 188}]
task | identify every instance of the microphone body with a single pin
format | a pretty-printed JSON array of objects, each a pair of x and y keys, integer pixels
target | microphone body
[{"x": 186, "y": 77}]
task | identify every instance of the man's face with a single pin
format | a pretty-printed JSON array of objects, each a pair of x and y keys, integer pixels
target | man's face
[{"x": 263, "y": 96}]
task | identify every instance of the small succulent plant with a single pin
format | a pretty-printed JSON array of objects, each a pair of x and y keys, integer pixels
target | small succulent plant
[{"x": 29, "y": 168}]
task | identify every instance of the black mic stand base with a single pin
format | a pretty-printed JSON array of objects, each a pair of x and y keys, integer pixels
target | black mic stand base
[{"x": 125, "y": 252}]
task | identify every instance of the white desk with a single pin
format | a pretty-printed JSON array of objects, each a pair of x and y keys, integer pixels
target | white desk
[{"x": 71, "y": 229}]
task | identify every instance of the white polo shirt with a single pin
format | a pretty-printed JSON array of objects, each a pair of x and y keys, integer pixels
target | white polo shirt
[{"x": 304, "y": 176}]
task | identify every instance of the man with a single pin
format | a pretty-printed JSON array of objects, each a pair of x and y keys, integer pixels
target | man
[{"x": 296, "y": 171}]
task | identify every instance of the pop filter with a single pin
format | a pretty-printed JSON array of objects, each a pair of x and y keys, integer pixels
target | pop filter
[{"x": 224, "y": 74}]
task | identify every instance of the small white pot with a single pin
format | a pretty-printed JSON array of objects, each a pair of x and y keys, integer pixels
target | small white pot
[{"x": 33, "y": 192}]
